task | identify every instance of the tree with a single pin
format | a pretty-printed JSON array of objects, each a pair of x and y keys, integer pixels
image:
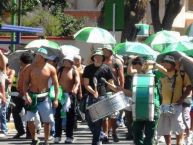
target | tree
[
  {"x": 135, "y": 11},
  {"x": 173, "y": 7}
]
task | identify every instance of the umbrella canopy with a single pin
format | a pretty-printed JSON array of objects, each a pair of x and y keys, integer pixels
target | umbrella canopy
[
  {"x": 94, "y": 35},
  {"x": 14, "y": 59},
  {"x": 161, "y": 39},
  {"x": 189, "y": 30},
  {"x": 186, "y": 47},
  {"x": 52, "y": 47},
  {"x": 135, "y": 48},
  {"x": 69, "y": 50}
]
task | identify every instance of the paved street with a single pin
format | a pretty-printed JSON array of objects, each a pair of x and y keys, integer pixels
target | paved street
[{"x": 82, "y": 137}]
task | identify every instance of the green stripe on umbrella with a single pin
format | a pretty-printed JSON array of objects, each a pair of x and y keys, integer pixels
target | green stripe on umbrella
[
  {"x": 162, "y": 39},
  {"x": 52, "y": 47},
  {"x": 94, "y": 35},
  {"x": 42, "y": 43},
  {"x": 135, "y": 48}
]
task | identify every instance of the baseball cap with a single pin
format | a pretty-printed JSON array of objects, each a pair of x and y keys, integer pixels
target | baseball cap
[
  {"x": 43, "y": 52},
  {"x": 169, "y": 59},
  {"x": 69, "y": 57}
]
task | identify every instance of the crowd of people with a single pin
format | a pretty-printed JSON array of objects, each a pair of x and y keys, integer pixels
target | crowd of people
[{"x": 52, "y": 93}]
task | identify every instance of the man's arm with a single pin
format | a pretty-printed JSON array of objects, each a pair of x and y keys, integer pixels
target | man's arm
[
  {"x": 56, "y": 85},
  {"x": 121, "y": 73},
  {"x": 26, "y": 84},
  {"x": 11, "y": 77},
  {"x": 89, "y": 88},
  {"x": 76, "y": 82}
]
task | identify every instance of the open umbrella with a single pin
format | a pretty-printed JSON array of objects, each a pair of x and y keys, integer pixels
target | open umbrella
[
  {"x": 52, "y": 47},
  {"x": 186, "y": 47},
  {"x": 189, "y": 30},
  {"x": 135, "y": 48},
  {"x": 94, "y": 35},
  {"x": 161, "y": 39},
  {"x": 69, "y": 50},
  {"x": 14, "y": 59}
]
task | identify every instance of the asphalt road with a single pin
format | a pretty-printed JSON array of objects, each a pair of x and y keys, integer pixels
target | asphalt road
[{"x": 82, "y": 136}]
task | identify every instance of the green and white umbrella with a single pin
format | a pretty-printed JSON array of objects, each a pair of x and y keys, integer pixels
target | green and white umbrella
[
  {"x": 52, "y": 46},
  {"x": 189, "y": 30},
  {"x": 135, "y": 48},
  {"x": 186, "y": 47},
  {"x": 69, "y": 50},
  {"x": 94, "y": 35},
  {"x": 162, "y": 39}
]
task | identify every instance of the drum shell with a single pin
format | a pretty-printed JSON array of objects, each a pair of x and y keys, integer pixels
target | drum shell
[
  {"x": 107, "y": 106},
  {"x": 143, "y": 97}
]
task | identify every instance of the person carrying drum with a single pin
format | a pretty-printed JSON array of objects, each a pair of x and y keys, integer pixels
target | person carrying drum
[
  {"x": 96, "y": 88},
  {"x": 118, "y": 75},
  {"x": 144, "y": 129},
  {"x": 172, "y": 85},
  {"x": 36, "y": 93}
]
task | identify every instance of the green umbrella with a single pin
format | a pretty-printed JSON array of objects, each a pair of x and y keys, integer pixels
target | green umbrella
[
  {"x": 52, "y": 47},
  {"x": 189, "y": 30},
  {"x": 162, "y": 39},
  {"x": 135, "y": 48},
  {"x": 94, "y": 35},
  {"x": 186, "y": 47}
]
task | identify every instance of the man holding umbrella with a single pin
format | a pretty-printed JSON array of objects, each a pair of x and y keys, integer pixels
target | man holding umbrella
[{"x": 35, "y": 91}]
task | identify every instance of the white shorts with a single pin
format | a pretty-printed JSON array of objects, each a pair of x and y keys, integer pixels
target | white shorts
[{"x": 171, "y": 123}]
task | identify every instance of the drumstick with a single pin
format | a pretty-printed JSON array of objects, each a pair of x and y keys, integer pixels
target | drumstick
[
  {"x": 95, "y": 83},
  {"x": 105, "y": 81}
]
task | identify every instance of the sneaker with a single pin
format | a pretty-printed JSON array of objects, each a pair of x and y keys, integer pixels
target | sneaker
[
  {"x": 35, "y": 142},
  {"x": 69, "y": 140},
  {"x": 99, "y": 143},
  {"x": 57, "y": 140},
  {"x": 3, "y": 135},
  {"x": 50, "y": 138},
  {"x": 18, "y": 135},
  {"x": 105, "y": 140},
  {"x": 115, "y": 138},
  {"x": 161, "y": 139}
]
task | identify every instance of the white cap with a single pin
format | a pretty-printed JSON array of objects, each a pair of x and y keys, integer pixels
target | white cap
[
  {"x": 69, "y": 57},
  {"x": 169, "y": 58}
]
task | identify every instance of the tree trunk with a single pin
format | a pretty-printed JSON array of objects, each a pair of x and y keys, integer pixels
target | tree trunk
[
  {"x": 155, "y": 15},
  {"x": 172, "y": 9},
  {"x": 134, "y": 13}
]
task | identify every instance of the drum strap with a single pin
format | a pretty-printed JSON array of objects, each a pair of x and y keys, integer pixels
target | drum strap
[{"x": 173, "y": 86}]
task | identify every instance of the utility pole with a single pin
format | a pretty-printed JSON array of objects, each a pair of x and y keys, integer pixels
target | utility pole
[{"x": 13, "y": 22}]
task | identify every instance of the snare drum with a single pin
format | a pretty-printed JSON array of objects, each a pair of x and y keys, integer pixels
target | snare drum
[
  {"x": 107, "y": 106},
  {"x": 143, "y": 97}
]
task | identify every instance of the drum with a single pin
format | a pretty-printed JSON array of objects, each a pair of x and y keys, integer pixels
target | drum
[
  {"x": 107, "y": 106},
  {"x": 143, "y": 97}
]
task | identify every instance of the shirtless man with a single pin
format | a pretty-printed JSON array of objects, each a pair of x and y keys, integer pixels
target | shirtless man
[
  {"x": 3, "y": 100},
  {"x": 69, "y": 80},
  {"x": 36, "y": 93}
]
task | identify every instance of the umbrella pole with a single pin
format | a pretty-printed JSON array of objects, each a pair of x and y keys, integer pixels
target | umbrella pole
[{"x": 114, "y": 10}]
